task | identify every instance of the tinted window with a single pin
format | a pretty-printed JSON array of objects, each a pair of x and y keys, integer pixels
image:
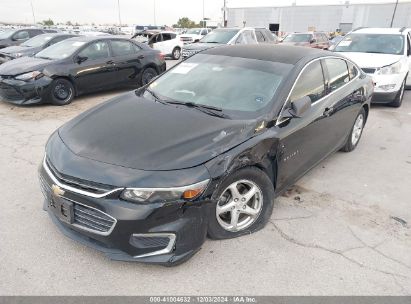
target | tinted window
[
  {"x": 167, "y": 37},
  {"x": 37, "y": 41},
  {"x": 310, "y": 83},
  {"x": 96, "y": 50},
  {"x": 338, "y": 73},
  {"x": 33, "y": 33},
  {"x": 352, "y": 70},
  {"x": 122, "y": 48}
]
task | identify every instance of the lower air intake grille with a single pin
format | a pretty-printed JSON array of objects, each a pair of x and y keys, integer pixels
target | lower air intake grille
[{"x": 93, "y": 219}]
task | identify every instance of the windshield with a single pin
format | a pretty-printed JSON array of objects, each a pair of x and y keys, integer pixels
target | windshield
[
  {"x": 241, "y": 87},
  {"x": 195, "y": 31},
  {"x": 60, "y": 50},
  {"x": 37, "y": 41},
  {"x": 6, "y": 34},
  {"x": 298, "y": 38},
  {"x": 372, "y": 43},
  {"x": 217, "y": 36}
]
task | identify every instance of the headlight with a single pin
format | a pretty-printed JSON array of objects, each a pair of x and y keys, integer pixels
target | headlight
[
  {"x": 30, "y": 76},
  {"x": 394, "y": 68},
  {"x": 157, "y": 195}
]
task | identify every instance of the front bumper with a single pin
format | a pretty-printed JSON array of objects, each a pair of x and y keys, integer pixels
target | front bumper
[
  {"x": 24, "y": 92},
  {"x": 161, "y": 233},
  {"x": 386, "y": 87}
]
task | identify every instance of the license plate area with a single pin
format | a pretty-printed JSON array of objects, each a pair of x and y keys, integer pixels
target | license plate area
[{"x": 63, "y": 209}]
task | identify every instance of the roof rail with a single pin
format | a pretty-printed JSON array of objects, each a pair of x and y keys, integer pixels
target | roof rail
[{"x": 403, "y": 29}]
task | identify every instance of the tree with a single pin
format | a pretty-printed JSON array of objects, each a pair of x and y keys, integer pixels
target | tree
[
  {"x": 48, "y": 22},
  {"x": 185, "y": 22}
]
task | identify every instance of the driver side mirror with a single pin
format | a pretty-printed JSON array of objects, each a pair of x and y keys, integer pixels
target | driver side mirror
[
  {"x": 80, "y": 59},
  {"x": 300, "y": 106}
]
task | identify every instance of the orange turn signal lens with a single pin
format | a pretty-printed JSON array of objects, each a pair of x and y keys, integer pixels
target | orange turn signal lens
[{"x": 192, "y": 193}]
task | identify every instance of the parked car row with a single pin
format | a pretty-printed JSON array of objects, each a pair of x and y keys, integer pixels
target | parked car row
[{"x": 17, "y": 36}]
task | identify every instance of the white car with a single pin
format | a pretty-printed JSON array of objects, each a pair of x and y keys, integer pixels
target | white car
[
  {"x": 194, "y": 35},
  {"x": 169, "y": 43},
  {"x": 384, "y": 54}
]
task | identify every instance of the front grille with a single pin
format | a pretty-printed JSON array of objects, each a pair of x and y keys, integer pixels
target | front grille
[
  {"x": 81, "y": 184},
  {"x": 92, "y": 219},
  {"x": 369, "y": 70},
  {"x": 186, "y": 39},
  {"x": 9, "y": 93}
]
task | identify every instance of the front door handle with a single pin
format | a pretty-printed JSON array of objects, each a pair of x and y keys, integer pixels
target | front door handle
[{"x": 328, "y": 112}]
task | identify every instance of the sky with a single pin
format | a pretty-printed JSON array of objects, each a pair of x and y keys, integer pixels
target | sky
[{"x": 133, "y": 11}]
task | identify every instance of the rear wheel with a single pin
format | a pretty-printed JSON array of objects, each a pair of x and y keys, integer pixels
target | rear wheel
[
  {"x": 61, "y": 92},
  {"x": 147, "y": 75},
  {"x": 176, "y": 53},
  {"x": 244, "y": 203},
  {"x": 356, "y": 132},
  {"x": 398, "y": 99}
]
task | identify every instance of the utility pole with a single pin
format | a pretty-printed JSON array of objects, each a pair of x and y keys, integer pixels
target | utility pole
[
  {"x": 203, "y": 14},
  {"x": 224, "y": 9},
  {"x": 32, "y": 11},
  {"x": 119, "y": 15},
  {"x": 393, "y": 14},
  {"x": 155, "y": 19}
]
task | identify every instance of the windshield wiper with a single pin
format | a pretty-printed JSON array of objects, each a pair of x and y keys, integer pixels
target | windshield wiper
[
  {"x": 156, "y": 97},
  {"x": 210, "y": 110},
  {"x": 212, "y": 42}
]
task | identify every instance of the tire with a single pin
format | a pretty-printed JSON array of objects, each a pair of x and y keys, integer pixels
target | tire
[
  {"x": 398, "y": 99},
  {"x": 261, "y": 204},
  {"x": 176, "y": 54},
  {"x": 355, "y": 134},
  {"x": 147, "y": 75},
  {"x": 61, "y": 92}
]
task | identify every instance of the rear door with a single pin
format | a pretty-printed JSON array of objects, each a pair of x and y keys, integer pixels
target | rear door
[
  {"x": 127, "y": 58},
  {"x": 408, "y": 53},
  {"x": 345, "y": 99},
  {"x": 97, "y": 71},
  {"x": 303, "y": 143}
]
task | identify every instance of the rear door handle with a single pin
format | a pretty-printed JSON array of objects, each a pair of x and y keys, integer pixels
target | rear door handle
[{"x": 328, "y": 111}]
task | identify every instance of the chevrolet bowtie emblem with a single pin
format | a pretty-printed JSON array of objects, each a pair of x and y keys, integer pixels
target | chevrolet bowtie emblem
[{"x": 57, "y": 191}]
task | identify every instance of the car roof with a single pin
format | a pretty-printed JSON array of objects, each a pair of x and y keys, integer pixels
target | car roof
[
  {"x": 276, "y": 53},
  {"x": 380, "y": 30}
]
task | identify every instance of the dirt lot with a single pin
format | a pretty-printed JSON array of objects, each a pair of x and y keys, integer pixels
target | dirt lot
[{"x": 342, "y": 230}]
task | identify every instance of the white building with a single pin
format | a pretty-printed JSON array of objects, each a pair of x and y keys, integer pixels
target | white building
[{"x": 298, "y": 18}]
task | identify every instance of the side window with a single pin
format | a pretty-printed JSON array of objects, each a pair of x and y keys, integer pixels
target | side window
[
  {"x": 122, "y": 48},
  {"x": 203, "y": 32},
  {"x": 96, "y": 50},
  {"x": 310, "y": 83},
  {"x": 21, "y": 35},
  {"x": 166, "y": 37},
  {"x": 352, "y": 70},
  {"x": 246, "y": 37},
  {"x": 338, "y": 72},
  {"x": 260, "y": 36}
]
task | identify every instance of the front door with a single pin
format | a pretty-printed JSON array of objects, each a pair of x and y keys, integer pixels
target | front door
[{"x": 97, "y": 70}]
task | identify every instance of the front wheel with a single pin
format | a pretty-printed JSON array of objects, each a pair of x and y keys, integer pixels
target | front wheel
[
  {"x": 398, "y": 99},
  {"x": 356, "y": 132},
  {"x": 243, "y": 204},
  {"x": 61, "y": 92}
]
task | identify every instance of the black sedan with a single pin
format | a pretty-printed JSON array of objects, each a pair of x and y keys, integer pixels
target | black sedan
[
  {"x": 31, "y": 46},
  {"x": 78, "y": 65},
  {"x": 202, "y": 150}
]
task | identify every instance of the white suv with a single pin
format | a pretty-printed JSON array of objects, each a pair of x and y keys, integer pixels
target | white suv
[
  {"x": 194, "y": 35},
  {"x": 384, "y": 54},
  {"x": 169, "y": 43}
]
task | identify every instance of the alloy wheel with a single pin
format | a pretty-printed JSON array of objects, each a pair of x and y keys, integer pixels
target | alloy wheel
[
  {"x": 239, "y": 205},
  {"x": 61, "y": 92},
  {"x": 357, "y": 129}
]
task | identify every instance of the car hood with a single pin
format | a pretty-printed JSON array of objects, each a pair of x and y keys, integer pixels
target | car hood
[
  {"x": 137, "y": 133},
  {"x": 201, "y": 46},
  {"x": 371, "y": 60},
  {"x": 23, "y": 65},
  {"x": 17, "y": 49}
]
